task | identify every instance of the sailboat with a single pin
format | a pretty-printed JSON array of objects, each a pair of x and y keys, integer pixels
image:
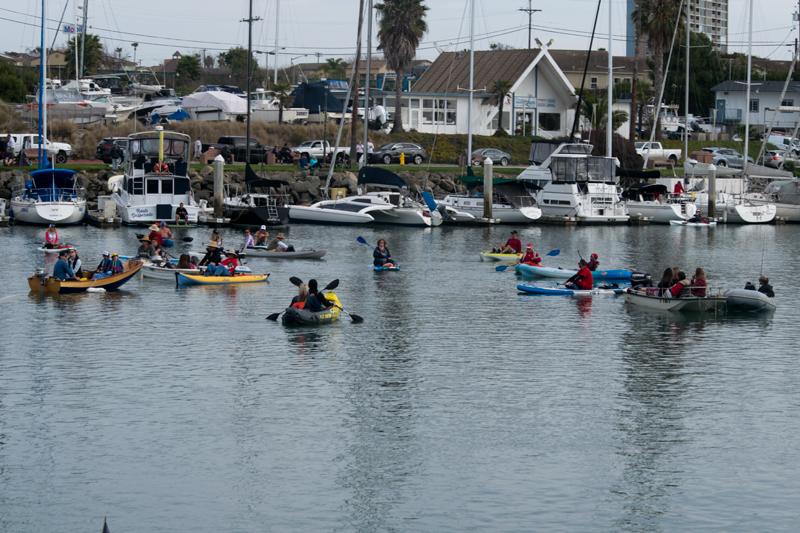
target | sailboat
[{"x": 51, "y": 195}]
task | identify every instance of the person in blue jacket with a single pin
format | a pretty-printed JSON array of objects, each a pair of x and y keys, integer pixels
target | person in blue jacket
[
  {"x": 316, "y": 301},
  {"x": 381, "y": 256},
  {"x": 62, "y": 270}
]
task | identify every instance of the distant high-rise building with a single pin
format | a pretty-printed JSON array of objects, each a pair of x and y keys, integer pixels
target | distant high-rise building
[{"x": 705, "y": 16}]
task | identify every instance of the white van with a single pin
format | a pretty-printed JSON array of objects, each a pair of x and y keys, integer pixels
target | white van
[
  {"x": 785, "y": 143},
  {"x": 30, "y": 141}
]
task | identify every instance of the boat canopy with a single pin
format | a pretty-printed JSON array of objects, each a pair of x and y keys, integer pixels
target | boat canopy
[
  {"x": 380, "y": 176},
  {"x": 146, "y": 145},
  {"x": 787, "y": 192},
  {"x": 567, "y": 169},
  {"x": 645, "y": 191},
  {"x": 318, "y": 97},
  {"x": 222, "y": 100},
  {"x": 471, "y": 180},
  {"x": 60, "y": 178}
]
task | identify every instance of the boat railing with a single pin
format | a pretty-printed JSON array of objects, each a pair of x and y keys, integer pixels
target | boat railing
[{"x": 50, "y": 194}]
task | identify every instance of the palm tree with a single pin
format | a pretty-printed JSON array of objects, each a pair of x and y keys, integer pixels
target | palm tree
[
  {"x": 401, "y": 27},
  {"x": 283, "y": 94},
  {"x": 335, "y": 67},
  {"x": 598, "y": 112},
  {"x": 656, "y": 20},
  {"x": 500, "y": 89}
]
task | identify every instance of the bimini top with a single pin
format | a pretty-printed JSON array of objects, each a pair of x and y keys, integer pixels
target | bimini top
[
  {"x": 380, "y": 176},
  {"x": 60, "y": 178}
]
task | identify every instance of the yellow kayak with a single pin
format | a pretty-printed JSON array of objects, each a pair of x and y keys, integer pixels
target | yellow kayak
[
  {"x": 496, "y": 256},
  {"x": 184, "y": 280}
]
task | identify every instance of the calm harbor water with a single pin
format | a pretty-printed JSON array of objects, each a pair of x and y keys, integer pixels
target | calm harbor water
[{"x": 457, "y": 406}]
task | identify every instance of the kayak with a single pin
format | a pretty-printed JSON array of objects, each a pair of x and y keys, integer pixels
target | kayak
[
  {"x": 692, "y": 224},
  {"x": 50, "y": 286},
  {"x": 59, "y": 248},
  {"x": 497, "y": 256},
  {"x": 300, "y": 317},
  {"x": 563, "y": 291},
  {"x": 261, "y": 251},
  {"x": 564, "y": 273},
  {"x": 184, "y": 280},
  {"x": 384, "y": 269}
]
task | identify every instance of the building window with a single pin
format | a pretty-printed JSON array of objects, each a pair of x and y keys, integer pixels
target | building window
[
  {"x": 593, "y": 83},
  {"x": 754, "y": 105},
  {"x": 787, "y": 103},
  {"x": 550, "y": 121},
  {"x": 439, "y": 111}
]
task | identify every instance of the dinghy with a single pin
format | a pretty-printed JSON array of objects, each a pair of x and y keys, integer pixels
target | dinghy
[
  {"x": 688, "y": 304},
  {"x": 50, "y": 286},
  {"x": 293, "y": 316},
  {"x": 686, "y": 223},
  {"x": 749, "y": 300}
]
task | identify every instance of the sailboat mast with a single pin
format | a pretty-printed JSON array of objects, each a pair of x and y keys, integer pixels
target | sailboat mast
[
  {"x": 365, "y": 155},
  {"x": 277, "y": 15},
  {"x": 471, "y": 80},
  {"x": 249, "y": 21},
  {"x": 686, "y": 95},
  {"x": 41, "y": 153},
  {"x": 747, "y": 92},
  {"x": 610, "y": 96},
  {"x": 83, "y": 37}
]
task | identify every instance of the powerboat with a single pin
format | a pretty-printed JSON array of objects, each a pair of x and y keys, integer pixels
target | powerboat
[
  {"x": 50, "y": 196},
  {"x": 156, "y": 179},
  {"x": 570, "y": 182},
  {"x": 657, "y": 204},
  {"x": 502, "y": 210},
  {"x": 254, "y": 208},
  {"x": 348, "y": 210},
  {"x": 392, "y": 190}
]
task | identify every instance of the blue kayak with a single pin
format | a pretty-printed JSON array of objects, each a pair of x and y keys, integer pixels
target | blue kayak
[
  {"x": 563, "y": 291},
  {"x": 533, "y": 271},
  {"x": 384, "y": 269}
]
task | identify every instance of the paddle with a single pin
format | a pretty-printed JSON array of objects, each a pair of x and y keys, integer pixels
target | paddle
[
  {"x": 357, "y": 319},
  {"x": 362, "y": 240},
  {"x": 294, "y": 280},
  {"x": 551, "y": 253}
]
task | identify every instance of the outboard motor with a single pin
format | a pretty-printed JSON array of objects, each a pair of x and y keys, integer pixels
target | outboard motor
[{"x": 641, "y": 279}]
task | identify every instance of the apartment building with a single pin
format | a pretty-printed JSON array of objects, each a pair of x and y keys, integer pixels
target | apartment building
[{"x": 705, "y": 16}]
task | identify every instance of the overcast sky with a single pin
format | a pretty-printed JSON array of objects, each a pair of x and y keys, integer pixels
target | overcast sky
[{"x": 328, "y": 26}]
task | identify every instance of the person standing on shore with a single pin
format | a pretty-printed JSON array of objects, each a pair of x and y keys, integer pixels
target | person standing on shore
[{"x": 198, "y": 149}]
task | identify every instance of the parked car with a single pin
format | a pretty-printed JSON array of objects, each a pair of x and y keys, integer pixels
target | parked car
[
  {"x": 390, "y": 153},
  {"x": 726, "y": 157},
  {"x": 30, "y": 142},
  {"x": 104, "y": 147},
  {"x": 234, "y": 148},
  {"x": 655, "y": 150},
  {"x": 319, "y": 149},
  {"x": 497, "y": 156},
  {"x": 773, "y": 158}
]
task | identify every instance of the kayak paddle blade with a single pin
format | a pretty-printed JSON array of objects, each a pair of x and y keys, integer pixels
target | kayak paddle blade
[
  {"x": 188, "y": 239},
  {"x": 553, "y": 253},
  {"x": 274, "y": 316},
  {"x": 296, "y": 281},
  {"x": 357, "y": 319},
  {"x": 501, "y": 268},
  {"x": 362, "y": 240},
  {"x": 332, "y": 285}
]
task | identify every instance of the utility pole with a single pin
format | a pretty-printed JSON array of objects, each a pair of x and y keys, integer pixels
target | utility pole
[
  {"x": 250, "y": 19},
  {"x": 530, "y": 11}
]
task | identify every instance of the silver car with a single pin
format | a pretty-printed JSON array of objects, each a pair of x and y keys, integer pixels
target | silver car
[
  {"x": 498, "y": 156},
  {"x": 726, "y": 157},
  {"x": 773, "y": 158}
]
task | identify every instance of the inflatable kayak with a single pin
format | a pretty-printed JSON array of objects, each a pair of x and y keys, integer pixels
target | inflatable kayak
[
  {"x": 185, "y": 280},
  {"x": 497, "y": 256},
  {"x": 692, "y": 224},
  {"x": 300, "y": 317},
  {"x": 532, "y": 271},
  {"x": 563, "y": 291},
  {"x": 384, "y": 269}
]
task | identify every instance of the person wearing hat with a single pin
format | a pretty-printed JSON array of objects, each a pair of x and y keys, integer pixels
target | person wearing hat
[
  {"x": 116, "y": 264},
  {"x": 531, "y": 257},
  {"x": 145, "y": 249},
  {"x": 62, "y": 270},
  {"x": 155, "y": 234},
  {"x": 261, "y": 236},
  {"x": 513, "y": 245},
  {"x": 213, "y": 254},
  {"x": 104, "y": 267},
  {"x": 594, "y": 262},
  {"x": 279, "y": 244},
  {"x": 230, "y": 262},
  {"x": 764, "y": 286},
  {"x": 51, "y": 237}
]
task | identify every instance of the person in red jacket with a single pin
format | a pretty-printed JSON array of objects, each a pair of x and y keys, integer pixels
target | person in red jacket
[
  {"x": 594, "y": 262},
  {"x": 583, "y": 280},
  {"x": 699, "y": 283},
  {"x": 513, "y": 245},
  {"x": 531, "y": 257},
  {"x": 230, "y": 262},
  {"x": 680, "y": 287}
]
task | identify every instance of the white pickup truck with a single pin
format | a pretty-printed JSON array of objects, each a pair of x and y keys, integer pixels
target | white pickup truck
[
  {"x": 30, "y": 141},
  {"x": 319, "y": 149},
  {"x": 653, "y": 151}
]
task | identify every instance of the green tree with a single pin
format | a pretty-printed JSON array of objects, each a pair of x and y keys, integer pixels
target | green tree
[
  {"x": 596, "y": 108},
  {"x": 656, "y": 20},
  {"x": 92, "y": 55},
  {"x": 236, "y": 61},
  {"x": 189, "y": 67},
  {"x": 12, "y": 88},
  {"x": 639, "y": 95},
  {"x": 335, "y": 68},
  {"x": 500, "y": 89},
  {"x": 707, "y": 70},
  {"x": 401, "y": 27},
  {"x": 283, "y": 94}
]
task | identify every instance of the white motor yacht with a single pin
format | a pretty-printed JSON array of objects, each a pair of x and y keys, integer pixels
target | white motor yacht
[
  {"x": 570, "y": 182},
  {"x": 156, "y": 180}
]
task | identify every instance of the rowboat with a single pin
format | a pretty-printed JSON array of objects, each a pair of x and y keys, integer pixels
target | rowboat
[
  {"x": 688, "y": 304},
  {"x": 526, "y": 288},
  {"x": 261, "y": 251},
  {"x": 302, "y": 317},
  {"x": 497, "y": 256},
  {"x": 384, "y": 268},
  {"x": 534, "y": 271},
  {"x": 50, "y": 286},
  {"x": 57, "y": 249},
  {"x": 748, "y": 300},
  {"x": 185, "y": 280},
  {"x": 154, "y": 271},
  {"x": 686, "y": 223}
]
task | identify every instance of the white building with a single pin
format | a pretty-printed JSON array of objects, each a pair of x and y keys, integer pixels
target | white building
[
  {"x": 541, "y": 100},
  {"x": 765, "y": 104}
]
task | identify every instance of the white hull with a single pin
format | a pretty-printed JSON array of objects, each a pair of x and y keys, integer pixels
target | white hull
[
  {"x": 505, "y": 213},
  {"x": 748, "y": 213},
  {"x": 301, "y": 213},
  {"x": 45, "y": 213},
  {"x": 146, "y": 214},
  {"x": 599, "y": 205},
  {"x": 786, "y": 212},
  {"x": 408, "y": 216},
  {"x": 688, "y": 304},
  {"x": 661, "y": 213}
]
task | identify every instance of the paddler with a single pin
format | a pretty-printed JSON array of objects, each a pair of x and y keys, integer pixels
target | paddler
[
  {"x": 513, "y": 245},
  {"x": 230, "y": 262},
  {"x": 249, "y": 242},
  {"x": 531, "y": 257},
  {"x": 381, "y": 256},
  {"x": 116, "y": 264},
  {"x": 51, "y": 237},
  {"x": 764, "y": 287},
  {"x": 583, "y": 279},
  {"x": 261, "y": 236},
  {"x": 166, "y": 235},
  {"x": 594, "y": 262},
  {"x": 316, "y": 301},
  {"x": 145, "y": 250}
]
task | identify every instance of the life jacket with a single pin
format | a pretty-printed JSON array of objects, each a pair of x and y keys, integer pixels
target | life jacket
[{"x": 299, "y": 305}]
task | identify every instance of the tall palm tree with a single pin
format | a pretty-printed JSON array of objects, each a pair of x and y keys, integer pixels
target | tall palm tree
[
  {"x": 656, "y": 20},
  {"x": 401, "y": 27},
  {"x": 335, "y": 67},
  {"x": 500, "y": 88}
]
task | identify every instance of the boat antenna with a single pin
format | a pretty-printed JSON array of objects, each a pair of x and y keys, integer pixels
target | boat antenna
[{"x": 583, "y": 78}]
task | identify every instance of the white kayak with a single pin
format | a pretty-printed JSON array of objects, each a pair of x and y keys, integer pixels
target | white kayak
[
  {"x": 708, "y": 224},
  {"x": 261, "y": 251},
  {"x": 749, "y": 300}
]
